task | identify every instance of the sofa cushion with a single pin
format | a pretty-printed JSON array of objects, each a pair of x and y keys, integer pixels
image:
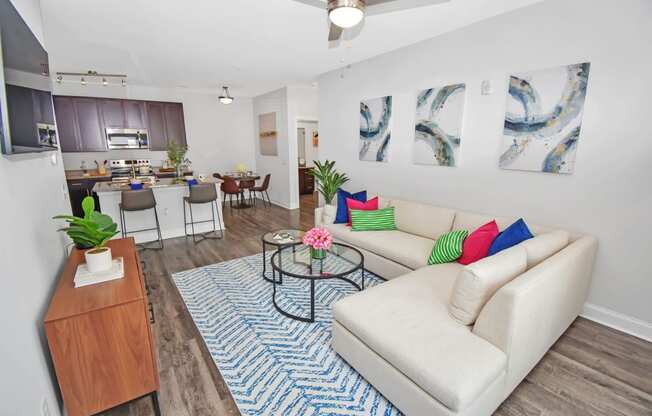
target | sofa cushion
[
  {"x": 477, "y": 244},
  {"x": 406, "y": 322},
  {"x": 370, "y": 205},
  {"x": 342, "y": 216},
  {"x": 422, "y": 219},
  {"x": 377, "y": 220},
  {"x": 478, "y": 281},
  {"x": 448, "y": 247},
  {"x": 511, "y": 236},
  {"x": 544, "y": 245},
  {"x": 407, "y": 249}
]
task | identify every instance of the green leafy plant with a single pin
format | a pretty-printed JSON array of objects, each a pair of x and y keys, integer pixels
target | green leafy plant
[
  {"x": 328, "y": 178},
  {"x": 177, "y": 154},
  {"x": 91, "y": 231}
]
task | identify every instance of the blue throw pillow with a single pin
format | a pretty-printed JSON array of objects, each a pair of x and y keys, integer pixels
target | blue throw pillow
[
  {"x": 342, "y": 216},
  {"x": 511, "y": 236}
]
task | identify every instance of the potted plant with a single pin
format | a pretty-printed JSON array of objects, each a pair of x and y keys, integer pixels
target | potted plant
[
  {"x": 91, "y": 233},
  {"x": 329, "y": 180},
  {"x": 177, "y": 156}
]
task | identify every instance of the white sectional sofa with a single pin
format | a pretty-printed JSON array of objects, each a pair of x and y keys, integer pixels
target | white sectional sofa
[{"x": 404, "y": 339}]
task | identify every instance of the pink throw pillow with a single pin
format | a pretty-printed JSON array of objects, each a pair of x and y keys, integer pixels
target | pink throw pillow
[
  {"x": 370, "y": 205},
  {"x": 476, "y": 246}
]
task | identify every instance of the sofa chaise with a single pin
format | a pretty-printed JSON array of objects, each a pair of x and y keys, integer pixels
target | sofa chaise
[{"x": 434, "y": 346}]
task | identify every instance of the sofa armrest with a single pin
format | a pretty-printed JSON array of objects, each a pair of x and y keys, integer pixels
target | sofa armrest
[
  {"x": 318, "y": 216},
  {"x": 526, "y": 316}
]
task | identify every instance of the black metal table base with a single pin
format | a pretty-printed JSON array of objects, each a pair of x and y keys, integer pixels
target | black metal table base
[{"x": 311, "y": 318}]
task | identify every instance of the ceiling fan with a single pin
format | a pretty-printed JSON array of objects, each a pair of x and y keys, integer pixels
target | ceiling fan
[{"x": 345, "y": 14}]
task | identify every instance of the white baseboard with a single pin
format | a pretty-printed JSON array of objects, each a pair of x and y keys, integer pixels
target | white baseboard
[{"x": 616, "y": 320}]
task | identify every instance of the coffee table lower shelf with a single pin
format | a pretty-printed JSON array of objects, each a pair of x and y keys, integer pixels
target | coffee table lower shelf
[{"x": 279, "y": 271}]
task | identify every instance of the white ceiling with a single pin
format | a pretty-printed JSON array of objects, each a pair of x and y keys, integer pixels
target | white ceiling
[{"x": 252, "y": 45}]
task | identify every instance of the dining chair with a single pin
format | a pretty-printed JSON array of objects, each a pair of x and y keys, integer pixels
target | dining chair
[
  {"x": 230, "y": 187},
  {"x": 246, "y": 185},
  {"x": 262, "y": 189}
]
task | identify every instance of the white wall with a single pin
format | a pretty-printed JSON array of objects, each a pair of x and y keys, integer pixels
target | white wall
[
  {"x": 219, "y": 136},
  {"x": 31, "y": 254},
  {"x": 278, "y": 166},
  {"x": 609, "y": 193}
]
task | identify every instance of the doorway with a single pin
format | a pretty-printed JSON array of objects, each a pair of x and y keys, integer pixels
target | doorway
[{"x": 307, "y": 153}]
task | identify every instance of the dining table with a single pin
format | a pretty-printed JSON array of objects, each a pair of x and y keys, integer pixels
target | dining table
[{"x": 245, "y": 181}]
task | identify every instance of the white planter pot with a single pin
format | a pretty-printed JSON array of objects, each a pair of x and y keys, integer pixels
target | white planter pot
[
  {"x": 98, "y": 259},
  {"x": 328, "y": 214}
]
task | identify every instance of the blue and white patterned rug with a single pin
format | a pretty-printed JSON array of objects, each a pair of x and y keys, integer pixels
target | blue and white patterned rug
[{"x": 274, "y": 365}]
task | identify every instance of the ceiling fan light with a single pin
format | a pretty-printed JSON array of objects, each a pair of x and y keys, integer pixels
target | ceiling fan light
[{"x": 346, "y": 13}]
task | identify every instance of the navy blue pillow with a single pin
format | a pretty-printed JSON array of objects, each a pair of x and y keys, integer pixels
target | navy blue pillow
[
  {"x": 511, "y": 236},
  {"x": 342, "y": 216}
]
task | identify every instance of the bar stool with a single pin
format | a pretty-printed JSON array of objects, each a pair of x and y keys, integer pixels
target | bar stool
[
  {"x": 140, "y": 200},
  {"x": 204, "y": 193}
]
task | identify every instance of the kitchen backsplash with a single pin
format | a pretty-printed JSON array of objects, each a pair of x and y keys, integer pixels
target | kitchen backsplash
[{"x": 72, "y": 161}]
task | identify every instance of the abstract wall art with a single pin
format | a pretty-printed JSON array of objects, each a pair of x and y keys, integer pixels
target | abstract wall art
[
  {"x": 375, "y": 129},
  {"x": 543, "y": 119},
  {"x": 267, "y": 134},
  {"x": 438, "y": 125}
]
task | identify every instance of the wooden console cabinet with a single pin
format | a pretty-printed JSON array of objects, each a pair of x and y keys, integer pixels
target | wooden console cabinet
[{"x": 100, "y": 337}]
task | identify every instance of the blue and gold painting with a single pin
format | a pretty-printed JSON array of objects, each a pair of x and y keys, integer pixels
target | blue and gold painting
[
  {"x": 375, "y": 129},
  {"x": 438, "y": 125},
  {"x": 543, "y": 119}
]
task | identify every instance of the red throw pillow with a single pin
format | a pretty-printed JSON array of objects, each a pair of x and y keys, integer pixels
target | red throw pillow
[
  {"x": 476, "y": 246},
  {"x": 370, "y": 205}
]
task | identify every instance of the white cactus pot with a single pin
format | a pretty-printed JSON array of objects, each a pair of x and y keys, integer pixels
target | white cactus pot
[{"x": 98, "y": 259}]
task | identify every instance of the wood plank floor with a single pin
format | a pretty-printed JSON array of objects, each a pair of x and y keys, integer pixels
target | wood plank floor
[{"x": 591, "y": 370}]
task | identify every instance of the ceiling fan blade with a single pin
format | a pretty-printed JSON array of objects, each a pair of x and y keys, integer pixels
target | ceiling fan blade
[
  {"x": 334, "y": 32},
  {"x": 315, "y": 3},
  {"x": 388, "y": 6}
]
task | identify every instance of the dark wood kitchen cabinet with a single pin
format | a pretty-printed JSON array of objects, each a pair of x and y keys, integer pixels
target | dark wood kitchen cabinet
[
  {"x": 113, "y": 113},
  {"x": 79, "y": 124},
  {"x": 67, "y": 124},
  {"x": 90, "y": 124},
  {"x": 83, "y": 121},
  {"x": 43, "y": 109},
  {"x": 156, "y": 126},
  {"x": 134, "y": 114},
  {"x": 174, "y": 123},
  {"x": 123, "y": 114},
  {"x": 306, "y": 181},
  {"x": 165, "y": 122},
  {"x": 28, "y": 106}
]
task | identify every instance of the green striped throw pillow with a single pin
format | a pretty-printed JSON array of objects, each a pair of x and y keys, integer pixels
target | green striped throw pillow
[
  {"x": 448, "y": 247},
  {"x": 378, "y": 220}
]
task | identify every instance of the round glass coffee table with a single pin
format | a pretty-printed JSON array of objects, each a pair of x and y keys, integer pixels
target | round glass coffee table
[
  {"x": 295, "y": 261},
  {"x": 278, "y": 239}
]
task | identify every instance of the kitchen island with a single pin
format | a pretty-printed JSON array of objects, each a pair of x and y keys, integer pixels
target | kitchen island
[{"x": 169, "y": 195}]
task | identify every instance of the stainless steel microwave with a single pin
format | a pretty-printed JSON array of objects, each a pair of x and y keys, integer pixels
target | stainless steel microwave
[{"x": 127, "y": 139}]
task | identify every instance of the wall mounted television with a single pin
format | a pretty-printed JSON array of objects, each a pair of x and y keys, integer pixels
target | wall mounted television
[{"x": 27, "y": 121}]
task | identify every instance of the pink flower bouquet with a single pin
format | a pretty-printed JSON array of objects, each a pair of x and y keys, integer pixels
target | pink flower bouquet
[{"x": 319, "y": 240}]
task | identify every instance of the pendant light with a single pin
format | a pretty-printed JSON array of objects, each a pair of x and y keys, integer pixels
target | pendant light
[{"x": 226, "y": 98}]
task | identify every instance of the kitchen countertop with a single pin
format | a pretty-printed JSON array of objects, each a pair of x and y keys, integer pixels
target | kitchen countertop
[
  {"x": 76, "y": 175},
  {"x": 160, "y": 183}
]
